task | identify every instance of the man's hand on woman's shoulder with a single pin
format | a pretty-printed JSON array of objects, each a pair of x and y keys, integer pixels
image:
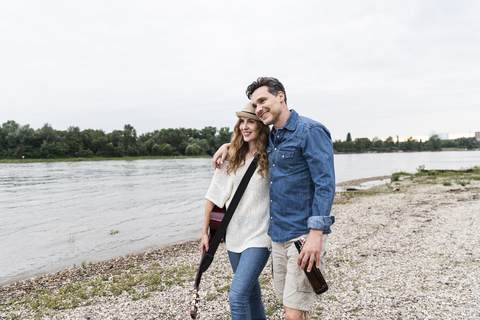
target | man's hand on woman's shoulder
[{"x": 220, "y": 156}]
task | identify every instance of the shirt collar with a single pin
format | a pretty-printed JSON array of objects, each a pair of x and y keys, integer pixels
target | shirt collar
[{"x": 291, "y": 121}]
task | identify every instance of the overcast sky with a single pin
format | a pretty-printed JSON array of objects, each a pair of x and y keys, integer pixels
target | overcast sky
[{"x": 371, "y": 68}]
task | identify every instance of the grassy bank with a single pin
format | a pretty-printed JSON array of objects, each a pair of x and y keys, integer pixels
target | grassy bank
[
  {"x": 447, "y": 179},
  {"x": 455, "y": 149},
  {"x": 401, "y": 151},
  {"x": 98, "y": 159}
]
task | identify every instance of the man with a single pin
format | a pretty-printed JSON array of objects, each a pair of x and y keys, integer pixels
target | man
[{"x": 302, "y": 188}]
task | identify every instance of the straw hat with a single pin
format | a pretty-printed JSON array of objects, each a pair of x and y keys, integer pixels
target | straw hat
[{"x": 248, "y": 112}]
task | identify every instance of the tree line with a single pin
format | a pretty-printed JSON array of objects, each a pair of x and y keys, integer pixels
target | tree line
[
  {"x": 17, "y": 141},
  {"x": 411, "y": 144}
]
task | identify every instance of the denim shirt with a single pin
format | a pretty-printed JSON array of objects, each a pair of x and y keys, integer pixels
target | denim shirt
[{"x": 302, "y": 178}]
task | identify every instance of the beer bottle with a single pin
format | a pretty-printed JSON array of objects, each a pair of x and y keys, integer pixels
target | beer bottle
[{"x": 315, "y": 276}]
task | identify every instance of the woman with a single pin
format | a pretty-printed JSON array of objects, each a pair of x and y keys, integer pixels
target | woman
[{"x": 247, "y": 242}]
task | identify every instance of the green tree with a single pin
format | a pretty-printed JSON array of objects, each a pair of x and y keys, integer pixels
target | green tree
[
  {"x": 129, "y": 137},
  {"x": 194, "y": 149},
  {"x": 156, "y": 150},
  {"x": 338, "y": 145},
  {"x": 132, "y": 151},
  {"x": 435, "y": 142},
  {"x": 74, "y": 141},
  {"x": 203, "y": 143},
  {"x": 208, "y": 133},
  {"x": 409, "y": 144},
  {"x": 143, "y": 149},
  {"x": 88, "y": 136},
  {"x": 174, "y": 137},
  {"x": 449, "y": 144},
  {"x": 119, "y": 151},
  {"x": 47, "y": 150},
  {"x": 10, "y": 126},
  {"x": 109, "y": 150},
  {"x": 99, "y": 145},
  {"x": 471, "y": 143},
  {"x": 47, "y": 133},
  {"x": 377, "y": 143},
  {"x": 117, "y": 138},
  {"x": 362, "y": 144},
  {"x": 87, "y": 153},
  {"x": 149, "y": 145},
  {"x": 389, "y": 143},
  {"x": 61, "y": 149},
  {"x": 167, "y": 149},
  {"x": 224, "y": 136},
  {"x": 466, "y": 143}
]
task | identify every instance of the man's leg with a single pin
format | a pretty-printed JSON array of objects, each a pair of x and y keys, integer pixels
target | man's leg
[
  {"x": 294, "y": 314},
  {"x": 291, "y": 283},
  {"x": 279, "y": 262}
]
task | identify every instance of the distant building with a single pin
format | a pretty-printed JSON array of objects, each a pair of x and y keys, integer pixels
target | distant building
[
  {"x": 442, "y": 136},
  {"x": 477, "y": 136}
]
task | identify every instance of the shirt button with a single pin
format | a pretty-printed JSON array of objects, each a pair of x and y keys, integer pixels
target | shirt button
[
  {"x": 275, "y": 148},
  {"x": 283, "y": 156},
  {"x": 271, "y": 218},
  {"x": 271, "y": 200},
  {"x": 274, "y": 164},
  {"x": 278, "y": 136},
  {"x": 271, "y": 182}
]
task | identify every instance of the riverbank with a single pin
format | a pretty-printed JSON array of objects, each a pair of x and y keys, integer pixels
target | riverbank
[
  {"x": 99, "y": 159},
  {"x": 403, "y": 151},
  {"x": 205, "y": 156},
  {"x": 404, "y": 250}
]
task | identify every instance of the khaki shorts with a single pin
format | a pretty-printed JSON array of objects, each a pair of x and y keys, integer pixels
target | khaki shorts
[{"x": 290, "y": 282}]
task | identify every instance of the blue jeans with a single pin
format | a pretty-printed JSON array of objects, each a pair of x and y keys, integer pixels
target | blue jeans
[{"x": 245, "y": 293}]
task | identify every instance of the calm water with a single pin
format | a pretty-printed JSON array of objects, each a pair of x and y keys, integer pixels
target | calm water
[{"x": 53, "y": 215}]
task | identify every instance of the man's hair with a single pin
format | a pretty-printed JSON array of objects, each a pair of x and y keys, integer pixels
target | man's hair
[{"x": 274, "y": 86}]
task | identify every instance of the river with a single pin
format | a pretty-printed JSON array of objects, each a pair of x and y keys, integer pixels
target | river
[{"x": 54, "y": 215}]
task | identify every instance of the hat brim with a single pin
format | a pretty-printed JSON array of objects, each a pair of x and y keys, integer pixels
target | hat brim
[{"x": 247, "y": 114}]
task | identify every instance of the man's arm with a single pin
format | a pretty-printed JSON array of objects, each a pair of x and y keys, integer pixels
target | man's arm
[
  {"x": 222, "y": 154},
  {"x": 318, "y": 152}
]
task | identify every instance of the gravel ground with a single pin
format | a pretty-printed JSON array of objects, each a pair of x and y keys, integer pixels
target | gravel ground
[{"x": 408, "y": 250}]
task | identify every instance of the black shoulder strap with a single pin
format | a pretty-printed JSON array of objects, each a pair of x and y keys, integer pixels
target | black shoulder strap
[{"x": 208, "y": 257}]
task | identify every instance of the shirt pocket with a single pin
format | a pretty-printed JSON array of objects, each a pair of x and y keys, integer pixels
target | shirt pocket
[{"x": 286, "y": 160}]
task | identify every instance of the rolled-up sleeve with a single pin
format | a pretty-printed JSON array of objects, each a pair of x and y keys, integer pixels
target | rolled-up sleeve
[
  {"x": 220, "y": 188},
  {"x": 318, "y": 152}
]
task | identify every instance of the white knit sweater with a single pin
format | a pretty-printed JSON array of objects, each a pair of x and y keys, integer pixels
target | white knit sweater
[{"x": 249, "y": 224}]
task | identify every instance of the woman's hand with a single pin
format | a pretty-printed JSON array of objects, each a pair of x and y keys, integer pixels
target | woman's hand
[{"x": 204, "y": 243}]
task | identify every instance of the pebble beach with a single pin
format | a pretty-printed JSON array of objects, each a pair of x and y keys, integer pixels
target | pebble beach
[{"x": 407, "y": 249}]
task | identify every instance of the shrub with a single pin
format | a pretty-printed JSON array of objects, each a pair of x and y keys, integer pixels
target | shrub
[
  {"x": 462, "y": 182},
  {"x": 396, "y": 176}
]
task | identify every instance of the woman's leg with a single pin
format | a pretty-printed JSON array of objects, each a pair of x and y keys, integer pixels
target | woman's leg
[{"x": 245, "y": 293}]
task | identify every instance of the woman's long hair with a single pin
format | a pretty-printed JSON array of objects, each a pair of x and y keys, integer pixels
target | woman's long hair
[{"x": 239, "y": 148}]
